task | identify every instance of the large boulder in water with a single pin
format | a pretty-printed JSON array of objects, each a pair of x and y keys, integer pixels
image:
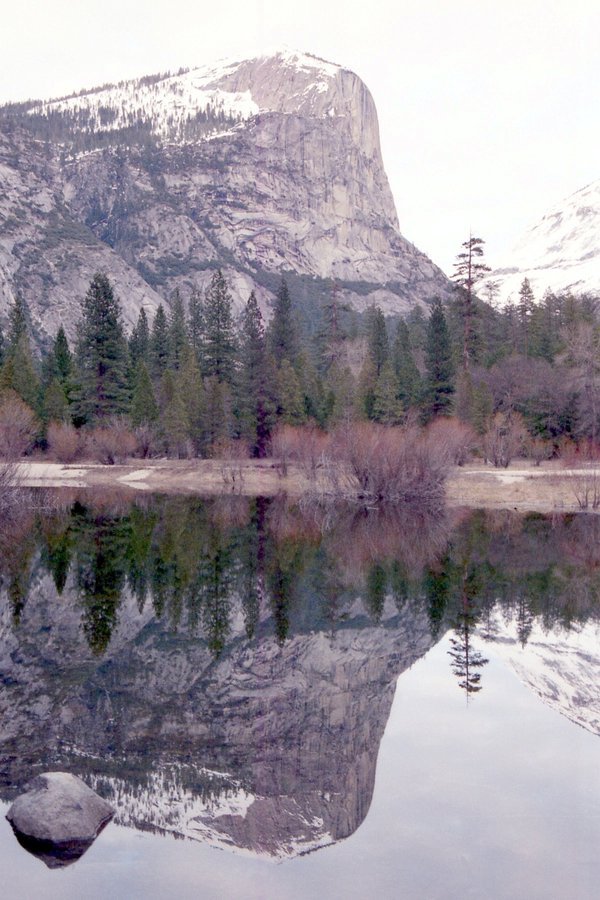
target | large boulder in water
[{"x": 57, "y": 817}]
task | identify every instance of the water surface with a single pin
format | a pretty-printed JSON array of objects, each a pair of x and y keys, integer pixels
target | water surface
[{"x": 358, "y": 704}]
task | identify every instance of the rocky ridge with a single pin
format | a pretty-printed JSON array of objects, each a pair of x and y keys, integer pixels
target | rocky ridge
[{"x": 263, "y": 167}]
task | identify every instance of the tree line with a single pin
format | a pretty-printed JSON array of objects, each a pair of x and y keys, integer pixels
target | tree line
[{"x": 196, "y": 377}]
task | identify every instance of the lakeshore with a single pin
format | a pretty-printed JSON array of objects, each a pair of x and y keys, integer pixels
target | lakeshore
[{"x": 522, "y": 486}]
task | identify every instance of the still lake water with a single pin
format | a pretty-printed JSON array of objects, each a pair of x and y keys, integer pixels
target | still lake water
[{"x": 322, "y": 704}]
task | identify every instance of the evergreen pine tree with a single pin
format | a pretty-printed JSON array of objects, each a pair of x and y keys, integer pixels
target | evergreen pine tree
[
  {"x": 525, "y": 309},
  {"x": 191, "y": 390},
  {"x": 290, "y": 400},
  {"x": 144, "y": 409},
  {"x": 177, "y": 337},
  {"x": 217, "y": 411},
  {"x": 139, "y": 342},
  {"x": 55, "y": 406},
  {"x": 407, "y": 373},
  {"x": 159, "y": 344},
  {"x": 365, "y": 393},
  {"x": 387, "y": 408},
  {"x": 282, "y": 336},
  {"x": 342, "y": 392},
  {"x": 174, "y": 423},
  {"x": 255, "y": 401},
  {"x": 196, "y": 324},
  {"x": 18, "y": 319},
  {"x": 377, "y": 339},
  {"x": 469, "y": 270},
  {"x": 331, "y": 337},
  {"x": 63, "y": 358},
  {"x": 18, "y": 372},
  {"x": 102, "y": 355},
  {"x": 219, "y": 338},
  {"x": 438, "y": 362}
]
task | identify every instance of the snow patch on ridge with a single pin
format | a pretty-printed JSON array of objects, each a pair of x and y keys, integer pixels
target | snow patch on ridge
[{"x": 168, "y": 103}]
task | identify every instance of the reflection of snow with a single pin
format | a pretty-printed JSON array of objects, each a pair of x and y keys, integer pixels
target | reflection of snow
[
  {"x": 165, "y": 805},
  {"x": 561, "y": 665}
]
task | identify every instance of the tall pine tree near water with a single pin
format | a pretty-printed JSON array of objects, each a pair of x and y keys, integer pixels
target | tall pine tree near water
[
  {"x": 102, "y": 355},
  {"x": 470, "y": 268},
  {"x": 282, "y": 337},
  {"x": 219, "y": 337},
  {"x": 255, "y": 402},
  {"x": 438, "y": 362}
]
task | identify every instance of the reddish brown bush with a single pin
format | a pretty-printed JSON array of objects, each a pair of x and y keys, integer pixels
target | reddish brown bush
[
  {"x": 379, "y": 463},
  {"x": 64, "y": 442},
  {"x": 18, "y": 426},
  {"x": 505, "y": 438},
  {"x": 538, "y": 449},
  {"x": 306, "y": 445},
  {"x": 110, "y": 444},
  {"x": 148, "y": 443},
  {"x": 453, "y": 439}
]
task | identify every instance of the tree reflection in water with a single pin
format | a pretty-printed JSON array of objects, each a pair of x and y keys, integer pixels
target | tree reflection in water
[
  {"x": 191, "y": 558},
  {"x": 184, "y": 653}
]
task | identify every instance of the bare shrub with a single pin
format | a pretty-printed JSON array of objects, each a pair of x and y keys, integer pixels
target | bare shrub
[
  {"x": 454, "y": 439},
  {"x": 586, "y": 488},
  {"x": 376, "y": 463},
  {"x": 505, "y": 438},
  {"x": 111, "y": 444},
  {"x": 306, "y": 445},
  {"x": 284, "y": 442},
  {"x": 147, "y": 442},
  {"x": 231, "y": 455},
  {"x": 64, "y": 442},
  {"x": 538, "y": 450},
  {"x": 583, "y": 478},
  {"x": 18, "y": 426},
  {"x": 313, "y": 450}
]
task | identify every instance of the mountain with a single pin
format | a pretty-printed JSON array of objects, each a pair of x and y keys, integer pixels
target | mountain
[
  {"x": 262, "y": 167},
  {"x": 560, "y": 253}
]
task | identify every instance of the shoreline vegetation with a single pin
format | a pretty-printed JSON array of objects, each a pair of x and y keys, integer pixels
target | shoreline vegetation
[{"x": 522, "y": 486}]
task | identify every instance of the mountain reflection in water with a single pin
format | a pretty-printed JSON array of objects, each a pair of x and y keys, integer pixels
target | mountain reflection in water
[{"x": 225, "y": 669}]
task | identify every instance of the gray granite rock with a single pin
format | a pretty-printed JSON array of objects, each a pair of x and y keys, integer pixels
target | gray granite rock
[{"x": 57, "y": 817}]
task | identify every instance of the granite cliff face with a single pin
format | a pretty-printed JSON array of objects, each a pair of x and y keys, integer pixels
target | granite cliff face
[
  {"x": 269, "y": 749},
  {"x": 263, "y": 167}
]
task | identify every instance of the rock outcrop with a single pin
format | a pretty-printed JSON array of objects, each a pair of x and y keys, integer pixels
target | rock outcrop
[
  {"x": 264, "y": 167},
  {"x": 58, "y": 817}
]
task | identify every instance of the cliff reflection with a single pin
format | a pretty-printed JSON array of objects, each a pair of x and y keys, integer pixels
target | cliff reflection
[{"x": 225, "y": 670}]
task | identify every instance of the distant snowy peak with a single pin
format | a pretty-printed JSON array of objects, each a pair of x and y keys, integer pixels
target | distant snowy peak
[
  {"x": 560, "y": 253},
  {"x": 218, "y": 96}
]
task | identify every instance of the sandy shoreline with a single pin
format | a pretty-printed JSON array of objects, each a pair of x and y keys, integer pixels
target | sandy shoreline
[{"x": 547, "y": 488}]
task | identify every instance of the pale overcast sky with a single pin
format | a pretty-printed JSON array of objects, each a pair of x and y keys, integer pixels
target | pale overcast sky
[{"x": 488, "y": 110}]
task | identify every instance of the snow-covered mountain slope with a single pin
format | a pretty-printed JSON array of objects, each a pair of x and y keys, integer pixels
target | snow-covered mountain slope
[
  {"x": 560, "y": 253},
  {"x": 562, "y": 666},
  {"x": 226, "y": 91},
  {"x": 261, "y": 167}
]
